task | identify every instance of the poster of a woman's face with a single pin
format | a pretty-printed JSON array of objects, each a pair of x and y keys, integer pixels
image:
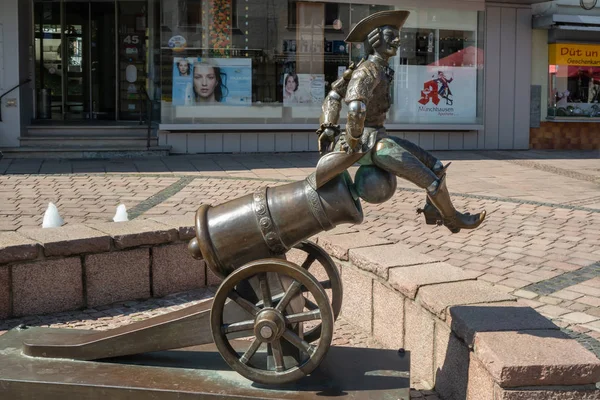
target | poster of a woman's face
[
  {"x": 183, "y": 67},
  {"x": 198, "y": 81},
  {"x": 290, "y": 87},
  {"x": 209, "y": 83}
]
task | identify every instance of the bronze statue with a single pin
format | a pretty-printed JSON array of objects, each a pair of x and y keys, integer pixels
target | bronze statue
[{"x": 366, "y": 90}]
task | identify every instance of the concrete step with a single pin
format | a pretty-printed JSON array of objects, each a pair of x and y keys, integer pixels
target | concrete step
[
  {"x": 88, "y": 153},
  {"x": 44, "y": 130},
  {"x": 88, "y": 142}
]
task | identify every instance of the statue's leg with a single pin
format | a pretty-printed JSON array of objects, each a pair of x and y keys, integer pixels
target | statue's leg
[
  {"x": 432, "y": 215},
  {"x": 392, "y": 157}
]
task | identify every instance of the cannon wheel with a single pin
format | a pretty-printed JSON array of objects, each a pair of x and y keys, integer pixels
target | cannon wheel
[
  {"x": 334, "y": 282},
  {"x": 270, "y": 324}
]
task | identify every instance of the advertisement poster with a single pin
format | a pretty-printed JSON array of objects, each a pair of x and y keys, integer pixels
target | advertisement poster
[
  {"x": 433, "y": 94},
  {"x": 303, "y": 88},
  {"x": 198, "y": 81}
]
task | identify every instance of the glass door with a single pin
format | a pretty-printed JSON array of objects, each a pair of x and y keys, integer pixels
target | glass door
[
  {"x": 133, "y": 48},
  {"x": 75, "y": 52},
  {"x": 76, "y": 59},
  {"x": 103, "y": 59},
  {"x": 48, "y": 59}
]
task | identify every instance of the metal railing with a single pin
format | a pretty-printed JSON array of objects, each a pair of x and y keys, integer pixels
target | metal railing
[{"x": 5, "y": 93}]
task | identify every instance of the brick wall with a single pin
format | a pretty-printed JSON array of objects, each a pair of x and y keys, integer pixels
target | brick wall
[{"x": 565, "y": 136}]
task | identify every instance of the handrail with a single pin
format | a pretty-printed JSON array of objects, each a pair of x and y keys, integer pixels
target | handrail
[
  {"x": 149, "y": 116},
  {"x": 5, "y": 93}
]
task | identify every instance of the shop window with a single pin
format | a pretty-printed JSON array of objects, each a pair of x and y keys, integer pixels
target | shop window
[
  {"x": 273, "y": 62},
  {"x": 574, "y": 81}
]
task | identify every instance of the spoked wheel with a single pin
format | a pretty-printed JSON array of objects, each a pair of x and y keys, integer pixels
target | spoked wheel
[
  {"x": 270, "y": 324},
  {"x": 315, "y": 255}
]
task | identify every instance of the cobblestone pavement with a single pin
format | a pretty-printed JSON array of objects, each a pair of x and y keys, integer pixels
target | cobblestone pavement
[
  {"x": 124, "y": 313},
  {"x": 541, "y": 240}
]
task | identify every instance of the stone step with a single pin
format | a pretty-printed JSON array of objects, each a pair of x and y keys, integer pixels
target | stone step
[{"x": 91, "y": 152}]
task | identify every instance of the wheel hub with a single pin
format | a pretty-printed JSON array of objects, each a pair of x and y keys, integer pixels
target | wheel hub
[{"x": 269, "y": 325}]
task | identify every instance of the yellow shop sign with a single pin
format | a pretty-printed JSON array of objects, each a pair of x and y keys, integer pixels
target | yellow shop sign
[{"x": 587, "y": 55}]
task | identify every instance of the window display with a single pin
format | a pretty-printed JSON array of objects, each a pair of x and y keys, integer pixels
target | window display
[
  {"x": 279, "y": 59},
  {"x": 574, "y": 87}
]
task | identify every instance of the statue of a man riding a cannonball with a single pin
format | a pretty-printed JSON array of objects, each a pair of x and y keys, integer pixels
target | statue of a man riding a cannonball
[{"x": 365, "y": 88}]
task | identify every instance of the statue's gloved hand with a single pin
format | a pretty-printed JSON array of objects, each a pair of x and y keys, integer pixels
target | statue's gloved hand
[{"x": 326, "y": 141}]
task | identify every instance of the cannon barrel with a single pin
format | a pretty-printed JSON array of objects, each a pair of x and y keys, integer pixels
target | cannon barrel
[{"x": 270, "y": 221}]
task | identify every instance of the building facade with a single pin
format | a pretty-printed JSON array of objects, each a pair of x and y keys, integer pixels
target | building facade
[
  {"x": 250, "y": 75},
  {"x": 566, "y": 75}
]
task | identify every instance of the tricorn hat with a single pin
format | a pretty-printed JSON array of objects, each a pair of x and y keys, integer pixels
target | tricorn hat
[{"x": 395, "y": 18}]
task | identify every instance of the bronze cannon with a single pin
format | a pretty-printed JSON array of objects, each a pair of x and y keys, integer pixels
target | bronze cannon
[{"x": 245, "y": 241}]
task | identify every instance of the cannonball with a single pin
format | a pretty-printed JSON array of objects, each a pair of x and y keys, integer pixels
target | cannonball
[{"x": 373, "y": 184}]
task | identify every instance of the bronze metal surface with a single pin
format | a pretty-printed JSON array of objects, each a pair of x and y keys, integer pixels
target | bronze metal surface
[
  {"x": 270, "y": 222},
  {"x": 193, "y": 373},
  {"x": 315, "y": 253},
  {"x": 276, "y": 322},
  {"x": 189, "y": 326}
]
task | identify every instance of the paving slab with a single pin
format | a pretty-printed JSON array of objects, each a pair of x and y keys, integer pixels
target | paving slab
[
  {"x": 69, "y": 240},
  {"x": 137, "y": 232},
  {"x": 536, "y": 358},
  {"x": 408, "y": 280},
  {"x": 339, "y": 245},
  {"x": 467, "y": 321},
  {"x": 380, "y": 259},
  {"x": 437, "y": 298},
  {"x": 16, "y": 247}
]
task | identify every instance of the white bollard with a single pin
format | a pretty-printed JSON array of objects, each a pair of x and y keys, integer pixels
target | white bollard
[
  {"x": 52, "y": 218},
  {"x": 121, "y": 214}
]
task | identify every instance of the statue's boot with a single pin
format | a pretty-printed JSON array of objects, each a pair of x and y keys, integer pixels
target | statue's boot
[
  {"x": 431, "y": 214},
  {"x": 452, "y": 219}
]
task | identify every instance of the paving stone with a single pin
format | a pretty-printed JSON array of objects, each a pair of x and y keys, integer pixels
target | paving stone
[
  {"x": 481, "y": 385},
  {"x": 138, "y": 232},
  {"x": 590, "y": 301},
  {"x": 437, "y": 298},
  {"x": 69, "y": 240},
  {"x": 339, "y": 245},
  {"x": 536, "y": 358},
  {"x": 184, "y": 225},
  {"x": 388, "y": 317},
  {"x": 567, "y": 295},
  {"x": 408, "y": 280},
  {"x": 47, "y": 286},
  {"x": 419, "y": 339},
  {"x": 117, "y": 276},
  {"x": 525, "y": 294},
  {"x": 515, "y": 394},
  {"x": 552, "y": 311},
  {"x": 579, "y": 318},
  {"x": 468, "y": 321},
  {"x": 175, "y": 270},
  {"x": 16, "y": 247},
  {"x": 451, "y": 364},
  {"x": 358, "y": 298},
  {"x": 379, "y": 259}
]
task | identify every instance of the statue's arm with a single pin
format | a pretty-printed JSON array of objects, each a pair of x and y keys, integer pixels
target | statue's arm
[
  {"x": 359, "y": 92},
  {"x": 329, "y": 127}
]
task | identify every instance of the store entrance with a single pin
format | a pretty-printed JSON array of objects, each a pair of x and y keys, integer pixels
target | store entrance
[{"x": 89, "y": 59}]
